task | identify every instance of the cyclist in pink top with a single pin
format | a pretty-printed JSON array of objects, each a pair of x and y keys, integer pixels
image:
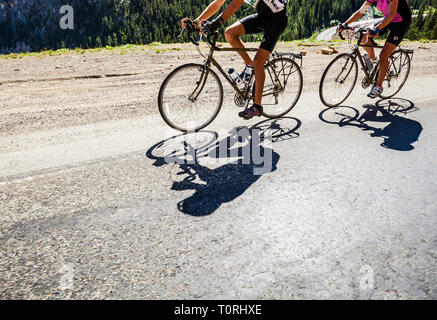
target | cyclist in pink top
[{"x": 397, "y": 20}]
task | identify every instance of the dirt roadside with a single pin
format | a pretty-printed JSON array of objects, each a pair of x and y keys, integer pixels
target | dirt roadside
[{"x": 48, "y": 92}]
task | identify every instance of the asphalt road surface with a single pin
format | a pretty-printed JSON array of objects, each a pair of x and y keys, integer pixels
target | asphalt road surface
[{"x": 90, "y": 208}]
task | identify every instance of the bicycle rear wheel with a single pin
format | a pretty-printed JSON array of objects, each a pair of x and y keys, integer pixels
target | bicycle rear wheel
[
  {"x": 190, "y": 97},
  {"x": 338, "y": 80},
  {"x": 281, "y": 93},
  {"x": 397, "y": 74}
]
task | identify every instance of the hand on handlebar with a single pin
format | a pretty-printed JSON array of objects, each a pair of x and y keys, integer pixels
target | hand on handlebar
[
  {"x": 209, "y": 27},
  {"x": 373, "y": 32},
  {"x": 189, "y": 24},
  {"x": 206, "y": 28},
  {"x": 184, "y": 22},
  {"x": 341, "y": 26}
]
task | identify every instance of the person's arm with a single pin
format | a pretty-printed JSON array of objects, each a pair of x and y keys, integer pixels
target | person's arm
[
  {"x": 360, "y": 12},
  {"x": 226, "y": 14},
  {"x": 231, "y": 9},
  {"x": 210, "y": 10},
  {"x": 210, "y": 27}
]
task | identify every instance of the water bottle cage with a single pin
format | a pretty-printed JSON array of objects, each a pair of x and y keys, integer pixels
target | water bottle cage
[
  {"x": 235, "y": 77},
  {"x": 248, "y": 74}
]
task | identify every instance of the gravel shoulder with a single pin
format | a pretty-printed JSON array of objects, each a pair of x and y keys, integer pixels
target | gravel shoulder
[{"x": 72, "y": 89}]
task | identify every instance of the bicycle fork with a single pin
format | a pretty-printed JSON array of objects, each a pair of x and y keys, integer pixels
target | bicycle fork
[{"x": 199, "y": 85}]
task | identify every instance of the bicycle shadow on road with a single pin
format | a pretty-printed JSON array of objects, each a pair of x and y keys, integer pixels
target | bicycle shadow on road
[
  {"x": 221, "y": 170},
  {"x": 398, "y": 135}
]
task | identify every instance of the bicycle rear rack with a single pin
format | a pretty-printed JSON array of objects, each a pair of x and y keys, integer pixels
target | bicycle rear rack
[
  {"x": 291, "y": 55},
  {"x": 410, "y": 52}
]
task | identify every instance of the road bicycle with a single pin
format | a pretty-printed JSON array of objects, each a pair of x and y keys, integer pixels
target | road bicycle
[
  {"x": 191, "y": 96},
  {"x": 340, "y": 76}
]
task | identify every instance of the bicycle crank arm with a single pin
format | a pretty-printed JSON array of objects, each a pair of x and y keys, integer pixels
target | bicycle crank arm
[{"x": 246, "y": 103}]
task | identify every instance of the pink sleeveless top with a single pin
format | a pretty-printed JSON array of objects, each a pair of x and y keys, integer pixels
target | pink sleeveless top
[{"x": 382, "y": 5}]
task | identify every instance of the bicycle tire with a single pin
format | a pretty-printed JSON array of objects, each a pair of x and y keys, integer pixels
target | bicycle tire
[
  {"x": 325, "y": 73},
  {"x": 294, "y": 66},
  {"x": 391, "y": 63},
  {"x": 163, "y": 106}
]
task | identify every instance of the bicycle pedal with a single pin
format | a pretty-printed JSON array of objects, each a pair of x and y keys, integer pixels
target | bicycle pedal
[{"x": 365, "y": 83}]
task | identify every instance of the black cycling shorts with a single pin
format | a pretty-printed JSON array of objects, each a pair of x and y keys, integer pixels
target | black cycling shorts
[
  {"x": 397, "y": 30},
  {"x": 272, "y": 26}
]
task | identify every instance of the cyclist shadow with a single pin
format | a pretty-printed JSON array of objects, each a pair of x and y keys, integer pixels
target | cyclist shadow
[
  {"x": 219, "y": 171},
  {"x": 399, "y": 134}
]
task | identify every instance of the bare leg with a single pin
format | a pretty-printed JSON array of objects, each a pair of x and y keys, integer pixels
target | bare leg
[
  {"x": 260, "y": 75},
  {"x": 383, "y": 60},
  {"x": 370, "y": 51},
  {"x": 233, "y": 34}
]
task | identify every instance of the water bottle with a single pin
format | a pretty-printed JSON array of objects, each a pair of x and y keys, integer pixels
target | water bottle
[
  {"x": 248, "y": 73},
  {"x": 234, "y": 76},
  {"x": 368, "y": 62}
]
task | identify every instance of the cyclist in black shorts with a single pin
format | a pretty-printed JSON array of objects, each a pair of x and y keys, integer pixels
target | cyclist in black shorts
[
  {"x": 271, "y": 18},
  {"x": 397, "y": 21}
]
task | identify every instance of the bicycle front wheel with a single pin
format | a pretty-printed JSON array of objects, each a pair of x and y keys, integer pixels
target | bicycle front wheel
[
  {"x": 397, "y": 74},
  {"x": 190, "y": 97},
  {"x": 338, "y": 80},
  {"x": 282, "y": 87}
]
